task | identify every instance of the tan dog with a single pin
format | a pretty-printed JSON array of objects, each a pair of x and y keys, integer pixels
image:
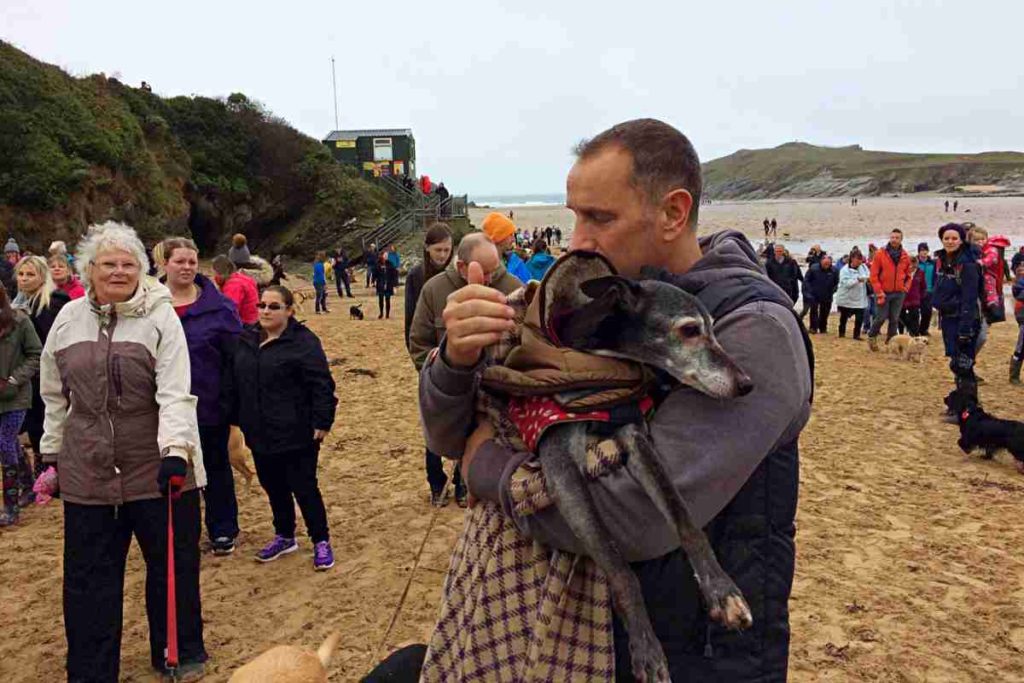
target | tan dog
[
  {"x": 907, "y": 347},
  {"x": 289, "y": 664},
  {"x": 917, "y": 348},
  {"x": 239, "y": 454}
]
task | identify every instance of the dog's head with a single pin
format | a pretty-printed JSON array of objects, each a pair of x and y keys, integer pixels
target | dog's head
[
  {"x": 963, "y": 401},
  {"x": 654, "y": 323}
]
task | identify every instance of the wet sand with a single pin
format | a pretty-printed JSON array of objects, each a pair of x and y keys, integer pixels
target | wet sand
[{"x": 909, "y": 563}]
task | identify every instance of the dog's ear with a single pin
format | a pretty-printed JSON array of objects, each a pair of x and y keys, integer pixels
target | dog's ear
[{"x": 612, "y": 289}]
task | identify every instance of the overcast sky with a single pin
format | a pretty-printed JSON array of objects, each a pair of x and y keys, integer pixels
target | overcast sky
[{"x": 498, "y": 93}]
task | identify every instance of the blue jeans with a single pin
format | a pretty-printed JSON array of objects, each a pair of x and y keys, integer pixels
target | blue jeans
[{"x": 321, "y": 297}]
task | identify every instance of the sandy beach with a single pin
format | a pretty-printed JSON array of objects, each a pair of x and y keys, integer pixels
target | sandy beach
[
  {"x": 833, "y": 223},
  {"x": 908, "y": 567}
]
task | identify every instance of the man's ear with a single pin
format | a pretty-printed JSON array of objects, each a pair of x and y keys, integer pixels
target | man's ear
[{"x": 676, "y": 208}]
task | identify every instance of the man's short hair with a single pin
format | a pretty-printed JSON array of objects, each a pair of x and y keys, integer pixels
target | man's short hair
[
  {"x": 896, "y": 230},
  {"x": 469, "y": 245},
  {"x": 223, "y": 266},
  {"x": 663, "y": 158}
]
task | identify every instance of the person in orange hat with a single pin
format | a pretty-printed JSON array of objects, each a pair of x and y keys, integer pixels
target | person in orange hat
[{"x": 502, "y": 232}]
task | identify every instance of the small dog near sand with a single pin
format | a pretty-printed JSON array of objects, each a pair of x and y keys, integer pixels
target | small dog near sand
[
  {"x": 907, "y": 347},
  {"x": 289, "y": 664},
  {"x": 239, "y": 455},
  {"x": 978, "y": 429},
  {"x": 589, "y": 308},
  {"x": 355, "y": 312}
]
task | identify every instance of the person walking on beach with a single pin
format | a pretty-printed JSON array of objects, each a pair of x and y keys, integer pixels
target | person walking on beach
[
  {"x": 386, "y": 282},
  {"x": 784, "y": 271},
  {"x": 767, "y": 228},
  {"x": 341, "y": 274},
  {"x": 910, "y": 316},
  {"x": 119, "y": 358},
  {"x": 19, "y": 364},
  {"x": 957, "y": 293},
  {"x": 212, "y": 327},
  {"x": 1017, "y": 359},
  {"x": 437, "y": 254},
  {"x": 742, "y": 489},
  {"x": 427, "y": 331},
  {"x": 370, "y": 259},
  {"x": 956, "y": 203},
  {"x": 926, "y": 264},
  {"x": 500, "y": 231},
  {"x": 283, "y": 400},
  {"x": 890, "y": 280},
  {"x": 320, "y": 282},
  {"x": 947, "y": 206},
  {"x": 238, "y": 287},
  {"x": 820, "y": 285},
  {"x": 41, "y": 301},
  {"x": 775, "y": 229},
  {"x": 852, "y": 294}
]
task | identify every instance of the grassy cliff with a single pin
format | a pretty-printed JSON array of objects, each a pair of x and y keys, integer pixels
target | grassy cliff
[
  {"x": 797, "y": 169},
  {"x": 74, "y": 151}
]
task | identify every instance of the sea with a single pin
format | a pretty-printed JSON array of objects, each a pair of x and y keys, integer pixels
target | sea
[{"x": 498, "y": 201}]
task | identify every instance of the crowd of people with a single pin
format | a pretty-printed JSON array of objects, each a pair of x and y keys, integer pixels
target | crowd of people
[{"x": 962, "y": 283}]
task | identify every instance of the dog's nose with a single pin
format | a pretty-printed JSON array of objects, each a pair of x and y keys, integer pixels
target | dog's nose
[{"x": 744, "y": 385}]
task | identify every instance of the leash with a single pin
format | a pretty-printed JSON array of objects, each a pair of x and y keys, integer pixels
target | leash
[{"x": 171, "y": 653}]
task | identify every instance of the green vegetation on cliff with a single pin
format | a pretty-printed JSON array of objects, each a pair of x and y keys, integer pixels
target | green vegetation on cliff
[
  {"x": 797, "y": 169},
  {"x": 74, "y": 151}
]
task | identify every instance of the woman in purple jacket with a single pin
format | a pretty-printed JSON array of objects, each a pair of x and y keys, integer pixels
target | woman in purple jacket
[{"x": 211, "y": 327}]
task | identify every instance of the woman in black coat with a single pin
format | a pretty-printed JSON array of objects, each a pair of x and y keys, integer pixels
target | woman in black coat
[
  {"x": 40, "y": 298},
  {"x": 437, "y": 254},
  {"x": 283, "y": 400}
]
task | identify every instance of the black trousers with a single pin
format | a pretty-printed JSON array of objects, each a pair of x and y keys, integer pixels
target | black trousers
[
  {"x": 910, "y": 321},
  {"x": 341, "y": 278},
  {"x": 436, "y": 476},
  {"x": 219, "y": 494},
  {"x": 858, "y": 320},
  {"x": 291, "y": 476},
  {"x": 926, "y": 314},
  {"x": 96, "y": 542},
  {"x": 384, "y": 304},
  {"x": 819, "y": 315}
]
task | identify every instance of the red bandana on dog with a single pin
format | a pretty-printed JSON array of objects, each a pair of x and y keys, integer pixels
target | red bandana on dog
[{"x": 532, "y": 415}]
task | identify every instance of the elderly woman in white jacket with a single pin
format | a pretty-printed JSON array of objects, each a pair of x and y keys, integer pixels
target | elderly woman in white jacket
[
  {"x": 852, "y": 294},
  {"x": 120, "y": 426}
]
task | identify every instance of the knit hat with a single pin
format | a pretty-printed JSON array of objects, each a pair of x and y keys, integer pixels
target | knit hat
[
  {"x": 11, "y": 246},
  {"x": 923, "y": 245},
  {"x": 953, "y": 226},
  {"x": 498, "y": 227}
]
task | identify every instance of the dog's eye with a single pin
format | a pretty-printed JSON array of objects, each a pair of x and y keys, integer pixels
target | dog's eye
[{"x": 689, "y": 331}]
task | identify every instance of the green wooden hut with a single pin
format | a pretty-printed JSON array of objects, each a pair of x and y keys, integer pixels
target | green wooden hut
[{"x": 378, "y": 152}]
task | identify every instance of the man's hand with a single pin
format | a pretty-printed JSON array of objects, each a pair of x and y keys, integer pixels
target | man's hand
[
  {"x": 320, "y": 434},
  {"x": 880, "y": 299},
  {"x": 482, "y": 433},
  {"x": 475, "y": 317}
]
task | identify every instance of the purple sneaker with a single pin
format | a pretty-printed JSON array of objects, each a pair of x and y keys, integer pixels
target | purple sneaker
[
  {"x": 323, "y": 556},
  {"x": 276, "y": 548}
]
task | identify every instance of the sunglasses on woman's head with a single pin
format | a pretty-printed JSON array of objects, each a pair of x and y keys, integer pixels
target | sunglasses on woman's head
[{"x": 274, "y": 306}]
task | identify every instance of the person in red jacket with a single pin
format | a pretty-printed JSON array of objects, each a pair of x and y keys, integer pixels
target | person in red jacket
[
  {"x": 890, "y": 280},
  {"x": 238, "y": 287},
  {"x": 910, "y": 317}
]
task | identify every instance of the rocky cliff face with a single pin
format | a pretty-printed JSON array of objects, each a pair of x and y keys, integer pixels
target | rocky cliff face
[
  {"x": 802, "y": 170},
  {"x": 74, "y": 151}
]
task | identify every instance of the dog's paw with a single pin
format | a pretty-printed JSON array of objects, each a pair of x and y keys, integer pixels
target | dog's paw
[
  {"x": 727, "y": 606},
  {"x": 648, "y": 659}
]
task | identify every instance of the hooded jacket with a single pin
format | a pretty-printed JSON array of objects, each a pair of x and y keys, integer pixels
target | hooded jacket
[
  {"x": 888, "y": 276},
  {"x": 958, "y": 288},
  {"x": 538, "y": 265},
  {"x": 515, "y": 266},
  {"x": 283, "y": 391},
  {"x": 851, "y": 292},
  {"x": 19, "y": 363},
  {"x": 994, "y": 266},
  {"x": 427, "y": 328},
  {"x": 115, "y": 379},
  {"x": 740, "y": 484},
  {"x": 820, "y": 284},
  {"x": 917, "y": 291},
  {"x": 786, "y": 274},
  {"x": 211, "y": 327},
  {"x": 241, "y": 290}
]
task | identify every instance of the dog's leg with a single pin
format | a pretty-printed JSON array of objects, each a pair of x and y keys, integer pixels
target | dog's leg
[
  {"x": 568, "y": 489},
  {"x": 724, "y": 600}
]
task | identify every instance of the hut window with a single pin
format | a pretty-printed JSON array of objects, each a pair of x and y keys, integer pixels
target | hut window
[{"x": 382, "y": 149}]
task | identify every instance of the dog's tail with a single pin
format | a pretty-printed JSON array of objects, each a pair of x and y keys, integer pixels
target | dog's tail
[{"x": 326, "y": 650}]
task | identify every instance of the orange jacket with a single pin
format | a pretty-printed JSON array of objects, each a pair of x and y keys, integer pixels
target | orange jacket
[{"x": 887, "y": 276}]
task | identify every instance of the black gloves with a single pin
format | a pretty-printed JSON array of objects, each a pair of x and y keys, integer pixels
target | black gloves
[
  {"x": 172, "y": 475},
  {"x": 962, "y": 362}
]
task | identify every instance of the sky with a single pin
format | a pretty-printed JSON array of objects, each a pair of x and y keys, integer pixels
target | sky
[{"x": 498, "y": 93}]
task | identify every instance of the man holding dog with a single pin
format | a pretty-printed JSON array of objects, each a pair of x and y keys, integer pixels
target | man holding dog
[
  {"x": 635, "y": 191},
  {"x": 427, "y": 330},
  {"x": 890, "y": 280}
]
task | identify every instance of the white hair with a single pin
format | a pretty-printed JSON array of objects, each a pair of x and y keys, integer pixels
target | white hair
[
  {"x": 106, "y": 237},
  {"x": 58, "y": 247}
]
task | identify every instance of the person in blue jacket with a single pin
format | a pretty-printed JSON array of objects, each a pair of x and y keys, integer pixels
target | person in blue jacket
[
  {"x": 820, "y": 285},
  {"x": 540, "y": 261},
  {"x": 957, "y": 297},
  {"x": 926, "y": 264},
  {"x": 212, "y": 327},
  {"x": 320, "y": 281}
]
